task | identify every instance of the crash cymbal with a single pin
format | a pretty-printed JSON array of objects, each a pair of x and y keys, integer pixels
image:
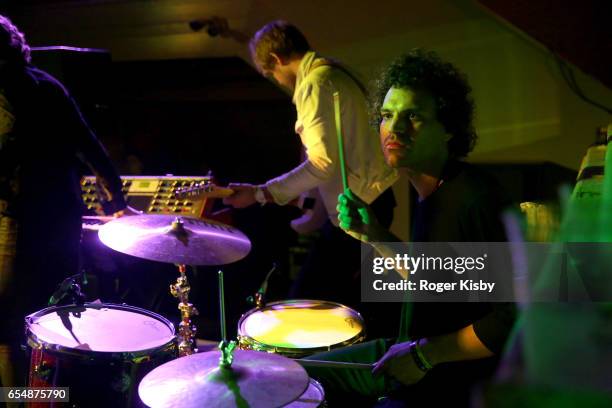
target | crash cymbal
[
  {"x": 255, "y": 379},
  {"x": 175, "y": 239}
]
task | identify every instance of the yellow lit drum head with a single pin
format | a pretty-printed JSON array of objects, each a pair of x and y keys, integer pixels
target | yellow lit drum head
[{"x": 302, "y": 324}]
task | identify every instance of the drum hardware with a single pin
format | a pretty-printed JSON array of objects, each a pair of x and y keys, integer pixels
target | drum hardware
[
  {"x": 68, "y": 287},
  {"x": 258, "y": 299},
  {"x": 313, "y": 397},
  {"x": 187, "y": 330},
  {"x": 43, "y": 371},
  {"x": 255, "y": 380},
  {"x": 180, "y": 290},
  {"x": 181, "y": 241},
  {"x": 230, "y": 378}
]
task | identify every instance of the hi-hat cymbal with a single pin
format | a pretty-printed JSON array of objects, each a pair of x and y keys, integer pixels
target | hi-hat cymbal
[
  {"x": 255, "y": 379},
  {"x": 177, "y": 240}
]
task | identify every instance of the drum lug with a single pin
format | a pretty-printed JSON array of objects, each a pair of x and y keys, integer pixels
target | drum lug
[
  {"x": 43, "y": 371},
  {"x": 141, "y": 359},
  {"x": 242, "y": 345}
]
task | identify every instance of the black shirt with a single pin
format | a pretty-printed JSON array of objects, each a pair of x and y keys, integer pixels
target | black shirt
[{"x": 467, "y": 207}]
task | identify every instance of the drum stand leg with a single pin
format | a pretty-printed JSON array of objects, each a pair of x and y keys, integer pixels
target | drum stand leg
[{"x": 187, "y": 330}]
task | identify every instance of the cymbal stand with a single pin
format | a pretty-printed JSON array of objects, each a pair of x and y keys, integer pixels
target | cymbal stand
[
  {"x": 227, "y": 348},
  {"x": 187, "y": 330}
]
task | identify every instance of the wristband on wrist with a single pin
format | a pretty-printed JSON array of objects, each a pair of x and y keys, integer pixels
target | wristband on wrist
[
  {"x": 260, "y": 196},
  {"x": 419, "y": 358}
]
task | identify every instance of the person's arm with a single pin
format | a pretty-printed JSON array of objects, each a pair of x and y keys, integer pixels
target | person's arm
[
  {"x": 314, "y": 104},
  {"x": 461, "y": 345},
  {"x": 408, "y": 362},
  {"x": 316, "y": 125},
  {"x": 484, "y": 338},
  {"x": 220, "y": 26}
]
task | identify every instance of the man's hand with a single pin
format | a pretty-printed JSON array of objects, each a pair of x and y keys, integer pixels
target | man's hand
[
  {"x": 220, "y": 26},
  {"x": 358, "y": 220},
  {"x": 244, "y": 195},
  {"x": 399, "y": 364}
]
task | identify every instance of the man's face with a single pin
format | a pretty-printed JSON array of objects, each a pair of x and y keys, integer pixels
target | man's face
[
  {"x": 410, "y": 134},
  {"x": 281, "y": 74}
]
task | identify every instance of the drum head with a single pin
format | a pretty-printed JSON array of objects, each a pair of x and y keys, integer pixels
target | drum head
[
  {"x": 100, "y": 327},
  {"x": 302, "y": 324}
]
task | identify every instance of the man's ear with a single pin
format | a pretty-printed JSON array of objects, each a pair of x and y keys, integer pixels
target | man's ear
[{"x": 277, "y": 59}]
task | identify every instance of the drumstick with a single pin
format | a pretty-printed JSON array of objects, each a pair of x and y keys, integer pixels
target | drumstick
[
  {"x": 101, "y": 218},
  {"x": 334, "y": 364},
  {"x": 222, "y": 307},
  {"x": 341, "y": 159}
]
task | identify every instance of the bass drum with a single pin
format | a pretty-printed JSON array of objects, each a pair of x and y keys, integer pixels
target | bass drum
[
  {"x": 100, "y": 351},
  {"x": 298, "y": 328}
]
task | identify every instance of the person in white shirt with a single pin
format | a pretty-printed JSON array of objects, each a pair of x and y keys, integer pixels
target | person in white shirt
[{"x": 282, "y": 53}]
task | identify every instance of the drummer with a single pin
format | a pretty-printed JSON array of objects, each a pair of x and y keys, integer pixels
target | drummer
[
  {"x": 424, "y": 113},
  {"x": 43, "y": 142}
]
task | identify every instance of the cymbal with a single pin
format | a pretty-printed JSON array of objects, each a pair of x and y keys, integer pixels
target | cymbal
[
  {"x": 175, "y": 239},
  {"x": 255, "y": 379}
]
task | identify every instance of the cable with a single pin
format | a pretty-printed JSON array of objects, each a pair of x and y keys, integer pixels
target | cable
[{"x": 568, "y": 75}]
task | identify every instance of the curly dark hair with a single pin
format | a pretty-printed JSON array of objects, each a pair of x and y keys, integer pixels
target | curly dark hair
[
  {"x": 13, "y": 47},
  {"x": 279, "y": 37},
  {"x": 425, "y": 71}
]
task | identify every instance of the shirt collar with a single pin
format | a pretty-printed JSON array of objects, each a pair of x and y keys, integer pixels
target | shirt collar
[{"x": 307, "y": 61}]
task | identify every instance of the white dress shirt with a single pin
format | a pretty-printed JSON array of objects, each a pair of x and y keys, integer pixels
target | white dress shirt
[{"x": 368, "y": 174}]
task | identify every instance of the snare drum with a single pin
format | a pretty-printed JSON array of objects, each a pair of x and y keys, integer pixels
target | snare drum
[
  {"x": 298, "y": 328},
  {"x": 101, "y": 351}
]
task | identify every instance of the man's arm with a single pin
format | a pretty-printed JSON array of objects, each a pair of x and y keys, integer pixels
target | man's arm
[
  {"x": 316, "y": 126},
  {"x": 484, "y": 338},
  {"x": 461, "y": 345},
  {"x": 400, "y": 362}
]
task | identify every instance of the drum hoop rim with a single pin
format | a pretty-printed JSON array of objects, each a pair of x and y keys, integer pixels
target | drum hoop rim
[
  {"x": 300, "y": 352},
  {"x": 34, "y": 342},
  {"x": 361, "y": 335},
  {"x": 285, "y": 302},
  {"x": 317, "y": 385}
]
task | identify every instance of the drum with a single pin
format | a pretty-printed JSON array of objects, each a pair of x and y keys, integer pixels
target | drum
[
  {"x": 101, "y": 351},
  {"x": 298, "y": 328},
  {"x": 313, "y": 397}
]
